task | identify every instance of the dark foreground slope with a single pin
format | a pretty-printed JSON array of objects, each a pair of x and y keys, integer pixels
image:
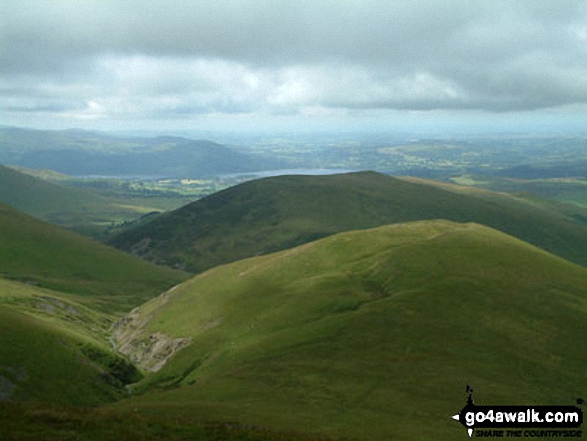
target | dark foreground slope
[
  {"x": 368, "y": 334},
  {"x": 273, "y": 214},
  {"x": 41, "y": 254}
]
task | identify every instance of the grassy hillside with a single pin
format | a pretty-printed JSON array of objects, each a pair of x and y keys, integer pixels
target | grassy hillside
[
  {"x": 40, "y": 198},
  {"x": 571, "y": 190},
  {"x": 59, "y": 295},
  {"x": 41, "y": 254},
  {"x": 80, "y": 209},
  {"x": 368, "y": 334},
  {"x": 272, "y": 214},
  {"x": 54, "y": 349}
]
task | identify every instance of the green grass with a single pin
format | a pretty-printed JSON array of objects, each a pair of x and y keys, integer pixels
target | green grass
[
  {"x": 55, "y": 349},
  {"x": 41, "y": 422},
  {"x": 41, "y": 360},
  {"x": 103, "y": 278},
  {"x": 41, "y": 198},
  {"x": 58, "y": 308},
  {"x": 85, "y": 210},
  {"x": 568, "y": 190},
  {"x": 273, "y": 214},
  {"x": 372, "y": 334}
]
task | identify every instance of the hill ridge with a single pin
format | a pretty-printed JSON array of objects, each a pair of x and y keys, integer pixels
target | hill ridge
[
  {"x": 271, "y": 214},
  {"x": 370, "y": 333}
]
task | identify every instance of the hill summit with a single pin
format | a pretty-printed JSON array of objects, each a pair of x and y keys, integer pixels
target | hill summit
[
  {"x": 369, "y": 334},
  {"x": 272, "y": 214}
]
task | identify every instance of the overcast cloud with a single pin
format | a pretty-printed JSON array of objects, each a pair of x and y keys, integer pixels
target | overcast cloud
[{"x": 93, "y": 61}]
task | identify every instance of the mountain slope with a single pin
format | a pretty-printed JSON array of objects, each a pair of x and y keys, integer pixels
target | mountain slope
[
  {"x": 41, "y": 254},
  {"x": 59, "y": 295},
  {"x": 370, "y": 334},
  {"x": 46, "y": 200},
  {"x": 54, "y": 349},
  {"x": 77, "y": 152},
  {"x": 79, "y": 209},
  {"x": 277, "y": 213}
]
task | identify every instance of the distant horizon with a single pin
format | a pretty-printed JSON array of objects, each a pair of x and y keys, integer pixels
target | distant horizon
[
  {"x": 417, "y": 67},
  {"x": 312, "y": 131}
]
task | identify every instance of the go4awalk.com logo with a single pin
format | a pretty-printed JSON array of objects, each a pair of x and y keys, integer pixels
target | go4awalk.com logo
[{"x": 520, "y": 421}]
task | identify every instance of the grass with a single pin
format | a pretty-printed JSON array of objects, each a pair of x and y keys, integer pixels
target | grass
[
  {"x": 45, "y": 361},
  {"x": 41, "y": 422},
  {"x": 369, "y": 334},
  {"x": 273, "y": 214},
  {"x": 103, "y": 278},
  {"x": 85, "y": 210},
  {"x": 372, "y": 334},
  {"x": 55, "y": 349},
  {"x": 570, "y": 190}
]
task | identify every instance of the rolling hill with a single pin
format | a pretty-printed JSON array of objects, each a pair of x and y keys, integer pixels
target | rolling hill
[
  {"x": 78, "y": 152},
  {"x": 41, "y": 254},
  {"x": 41, "y": 198},
  {"x": 367, "y": 334},
  {"x": 59, "y": 295},
  {"x": 84, "y": 210},
  {"x": 267, "y": 215}
]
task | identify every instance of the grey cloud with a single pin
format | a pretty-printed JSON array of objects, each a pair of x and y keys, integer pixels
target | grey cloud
[
  {"x": 263, "y": 32},
  {"x": 45, "y": 108},
  {"x": 276, "y": 56}
]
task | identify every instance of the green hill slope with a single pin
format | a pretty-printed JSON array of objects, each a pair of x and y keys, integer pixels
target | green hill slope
[
  {"x": 80, "y": 209},
  {"x": 43, "y": 199},
  {"x": 368, "y": 334},
  {"x": 273, "y": 214},
  {"x": 59, "y": 295},
  {"x": 104, "y": 278},
  {"x": 54, "y": 349}
]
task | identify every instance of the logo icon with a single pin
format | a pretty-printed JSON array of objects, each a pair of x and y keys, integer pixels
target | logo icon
[{"x": 474, "y": 417}]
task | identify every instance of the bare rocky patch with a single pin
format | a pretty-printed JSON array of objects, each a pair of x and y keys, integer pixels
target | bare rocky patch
[{"x": 149, "y": 351}]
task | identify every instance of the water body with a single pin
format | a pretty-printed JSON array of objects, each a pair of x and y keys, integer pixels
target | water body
[
  {"x": 248, "y": 175},
  {"x": 289, "y": 171}
]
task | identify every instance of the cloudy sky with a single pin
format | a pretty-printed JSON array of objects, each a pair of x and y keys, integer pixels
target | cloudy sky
[{"x": 293, "y": 64}]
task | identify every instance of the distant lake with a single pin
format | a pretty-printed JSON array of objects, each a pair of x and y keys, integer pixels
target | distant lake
[
  {"x": 251, "y": 175},
  {"x": 291, "y": 171}
]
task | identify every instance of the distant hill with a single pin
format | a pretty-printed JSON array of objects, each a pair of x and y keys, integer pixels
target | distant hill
[
  {"x": 44, "y": 199},
  {"x": 577, "y": 168},
  {"x": 267, "y": 215},
  {"x": 77, "y": 152},
  {"x": 367, "y": 334},
  {"x": 104, "y": 278},
  {"x": 83, "y": 210}
]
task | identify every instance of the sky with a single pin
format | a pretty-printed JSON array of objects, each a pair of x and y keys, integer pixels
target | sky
[{"x": 259, "y": 65}]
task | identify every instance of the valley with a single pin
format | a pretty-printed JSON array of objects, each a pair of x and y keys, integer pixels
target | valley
[
  {"x": 316, "y": 306},
  {"x": 244, "y": 220}
]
